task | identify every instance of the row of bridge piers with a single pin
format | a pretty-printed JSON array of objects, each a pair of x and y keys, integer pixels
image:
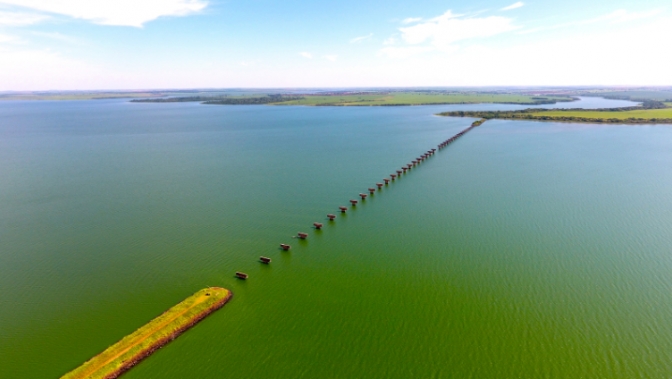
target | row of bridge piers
[{"x": 379, "y": 186}]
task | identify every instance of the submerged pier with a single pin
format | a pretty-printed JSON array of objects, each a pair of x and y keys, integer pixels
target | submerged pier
[
  {"x": 452, "y": 139},
  {"x": 129, "y": 351},
  {"x": 405, "y": 170}
]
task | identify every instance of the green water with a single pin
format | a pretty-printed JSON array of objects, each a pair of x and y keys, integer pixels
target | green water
[{"x": 526, "y": 250}]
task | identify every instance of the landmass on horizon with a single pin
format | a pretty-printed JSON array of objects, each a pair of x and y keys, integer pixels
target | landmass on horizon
[
  {"x": 648, "y": 112},
  {"x": 359, "y": 96},
  {"x": 655, "y": 102}
]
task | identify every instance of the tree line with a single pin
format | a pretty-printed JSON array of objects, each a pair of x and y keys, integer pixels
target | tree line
[
  {"x": 533, "y": 114},
  {"x": 223, "y": 100}
]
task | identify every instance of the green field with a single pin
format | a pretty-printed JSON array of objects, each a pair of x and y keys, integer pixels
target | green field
[
  {"x": 633, "y": 115},
  {"x": 634, "y": 95},
  {"x": 646, "y": 114},
  {"x": 417, "y": 98},
  {"x": 131, "y": 349}
]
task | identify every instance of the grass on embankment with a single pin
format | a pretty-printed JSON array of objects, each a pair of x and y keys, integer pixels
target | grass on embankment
[
  {"x": 633, "y": 94},
  {"x": 417, "y": 98},
  {"x": 646, "y": 114},
  {"x": 634, "y": 115},
  {"x": 121, "y": 356}
]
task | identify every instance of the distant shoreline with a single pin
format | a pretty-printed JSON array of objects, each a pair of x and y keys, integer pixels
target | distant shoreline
[
  {"x": 385, "y": 99},
  {"x": 650, "y": 112}
]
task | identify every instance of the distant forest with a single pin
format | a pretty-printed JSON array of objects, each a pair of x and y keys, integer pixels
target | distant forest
[
  {"x": 611, "y": 115},
  {"x": 222, "y": 100}
]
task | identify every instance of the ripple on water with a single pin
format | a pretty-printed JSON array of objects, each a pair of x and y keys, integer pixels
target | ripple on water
[{"x": 522, "y": 250}]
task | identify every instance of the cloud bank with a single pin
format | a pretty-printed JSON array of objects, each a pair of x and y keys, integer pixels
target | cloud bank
[
  {"x": 119, "y": 12},
  {"x": 362, "y": 38},
  {"x": 442, "y": 33},
  {"x": 20, "y": 18},
  {"x": 513, "y": 6},
  {"x": 449, "y": 28}
]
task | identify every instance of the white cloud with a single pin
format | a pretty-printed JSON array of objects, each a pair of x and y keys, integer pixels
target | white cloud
[
  {"x": 57, "y": 37},
  {"x": 443, "y": 33},
  {"x": 575, "y": 57},
  {"x": 43, "y": 69},
  {"x": 331, "y": 57},
  {"x": 119, "y": 12},
  {"x": 513, "y": 6},
  {"x": 587, "y": 60},
  {"x": 411, "y": 20},
  {"x": 4, "y": 38},
  {"x": 616, "y": 17},
  {"x": 249, "y": 63},
  {"x": 362, "y": 38},
  {"x": 390, "y": 41},
  {"x": 306, "y": 54},
  {"x": 622, "y": 15},
  {"x": 20, "y": 18},
  {"x": 447, "y": 29},
  {"x": 566, "y": 59},
  {"x": 404, "y": 51}
]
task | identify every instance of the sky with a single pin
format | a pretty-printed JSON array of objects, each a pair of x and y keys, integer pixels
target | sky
[{"x": 172, "y": 44}]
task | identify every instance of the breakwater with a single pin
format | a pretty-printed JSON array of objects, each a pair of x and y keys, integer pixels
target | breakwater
[{"x": 132, "y": 349}]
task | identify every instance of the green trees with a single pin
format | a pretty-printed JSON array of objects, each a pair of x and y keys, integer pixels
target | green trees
[
  {"x": 223, "y": 100},
  {"x": 568, "y": 115}
]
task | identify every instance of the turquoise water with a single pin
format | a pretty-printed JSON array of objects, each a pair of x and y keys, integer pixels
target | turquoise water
[{"x": 523, "y": 250}]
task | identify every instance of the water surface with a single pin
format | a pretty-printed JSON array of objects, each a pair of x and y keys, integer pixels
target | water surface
[{"x": 524, "y": 250}]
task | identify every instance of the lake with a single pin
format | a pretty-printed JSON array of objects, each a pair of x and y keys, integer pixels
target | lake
[{"x": 524, "y": 249}]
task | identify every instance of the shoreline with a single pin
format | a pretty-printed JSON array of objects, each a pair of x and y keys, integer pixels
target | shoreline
[
  {"x": 132, "y": 349},
  {"x": 369, "y": 100},
  {"x": 582, "y": 121},
  {"x": 604, "y": 116}
]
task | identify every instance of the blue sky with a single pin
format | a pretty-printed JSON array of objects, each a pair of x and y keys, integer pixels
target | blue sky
[{"x": 140, "y": 44}]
